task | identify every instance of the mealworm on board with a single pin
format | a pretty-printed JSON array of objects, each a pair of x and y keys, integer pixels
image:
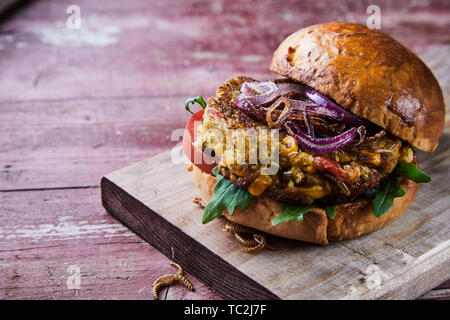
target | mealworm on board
[
  {"x": 228, "y": 227},
  {"x": 261, "y": 240},
  {"x": 200, "y": 202},
  {"x": 234, "y": 227},
  {"x": 244, "y": 241},
  {"x": 252, "y": 245}
]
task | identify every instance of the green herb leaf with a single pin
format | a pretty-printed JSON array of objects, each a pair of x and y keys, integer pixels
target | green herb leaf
[
  {"x": 198, "y": 100},
  {"x": 291, "y": 212},
  {"x": 412, "y": 172},
  {"x": 215, "y": 172},
  {"x": 225, "y": 196},
  {"x": 331, "y": 211},
  {"x": 384, "y": 200}
]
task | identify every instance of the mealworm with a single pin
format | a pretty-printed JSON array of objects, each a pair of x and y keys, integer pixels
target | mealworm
[
  {"x": 258, "y": 242},
  {"x": 176, "y": 265},
  {"x": 228, "y": 227},
  {"x": 200, "y": 202},
  {"x": 186, "y": 282},
  {"x": 176, "y": 277},
  {"x": 168, "y": 280},
  {"x": 244, "y": 241},
  {"x": 169, "y": 276},
  {"x": 234, "y": 227},
  {"x": 164, "y": 278},
  {"x": 160, "y": 284},
  {"x": 261, "y": 240}
]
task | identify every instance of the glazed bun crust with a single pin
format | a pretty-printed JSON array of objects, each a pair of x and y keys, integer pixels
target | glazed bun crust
[
  {"x": 352, "y": 220},
  {"x": 370, "y": 74}
]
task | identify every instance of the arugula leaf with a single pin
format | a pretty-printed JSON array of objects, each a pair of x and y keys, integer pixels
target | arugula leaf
[
  {"x": 291, "y": 212},
  {"x": 225, "y": 196},
  {"x": 198, "y": 100},
  {"x": 411, "y": 172},
  {"x": 331, "y": 211},
  {"x": 384, "y": 200},
  {"x": 215, "y": 172}
]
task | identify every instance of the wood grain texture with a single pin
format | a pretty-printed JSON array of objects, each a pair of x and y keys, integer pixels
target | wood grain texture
[
  {"x": 152, "y": 198},
  {"x": 76, "y": 142},
  {"x": 147, "y": 50},
  {"x": 172, "y": 241},
  {"x": 71, "y": 114},
  {"x": 37, "y": 250}
]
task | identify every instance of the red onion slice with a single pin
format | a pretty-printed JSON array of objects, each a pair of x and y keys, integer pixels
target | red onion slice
[
  {"x": 283, "y": 115},
  {"x": 287, "y": 87},
  {"x": 257, "y": 100},
  {"x": 320, "y": 110},
  {"x": 308, "y": 123},
  {"x": 320, "y": 145},
  {"x": 248, "y": 108},
  {"x": 321, "y": 100},
  {"x": 352, "y": 131},
  {"x": 251, "y": 89},
  {"x": 258, "y": 93}
]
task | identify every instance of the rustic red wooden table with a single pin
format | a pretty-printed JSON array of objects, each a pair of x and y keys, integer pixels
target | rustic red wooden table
[{"x": 76, "y": 104}]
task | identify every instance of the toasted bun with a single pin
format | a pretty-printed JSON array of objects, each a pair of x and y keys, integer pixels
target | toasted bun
[
  {"x": 352, "y": 220},
  {"x": 370, "y": 74}
]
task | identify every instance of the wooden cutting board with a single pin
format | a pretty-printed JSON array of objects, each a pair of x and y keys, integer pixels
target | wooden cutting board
[{"x": 153, "y": 198}]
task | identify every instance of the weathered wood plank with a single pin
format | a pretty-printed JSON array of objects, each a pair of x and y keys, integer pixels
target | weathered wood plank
[
  {"x": 441, "y": 292},
  {"x": 73, "y": 143},
  {"x": 175, "y": 243},
  {"x": 144, "y": 49},
  {"x": 142, "y": 197},
  {"x": 438, "y": 294},
  {"x": 151, "y": 52},
  {"x": 46, "y": 232}
]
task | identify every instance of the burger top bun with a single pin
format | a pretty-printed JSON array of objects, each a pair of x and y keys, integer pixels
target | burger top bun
[{"x": 370, "y": 74}]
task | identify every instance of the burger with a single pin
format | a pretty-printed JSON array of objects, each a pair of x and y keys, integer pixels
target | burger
[{"x": 334, "y": 137}]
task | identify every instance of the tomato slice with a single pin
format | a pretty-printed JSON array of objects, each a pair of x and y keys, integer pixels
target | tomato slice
[
  {"x": 331, "y": 166},
  {"x": 194, "y": 154}
]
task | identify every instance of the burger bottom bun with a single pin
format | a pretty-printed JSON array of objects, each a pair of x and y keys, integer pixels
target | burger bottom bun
[{"x": 352, "y": 219}]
